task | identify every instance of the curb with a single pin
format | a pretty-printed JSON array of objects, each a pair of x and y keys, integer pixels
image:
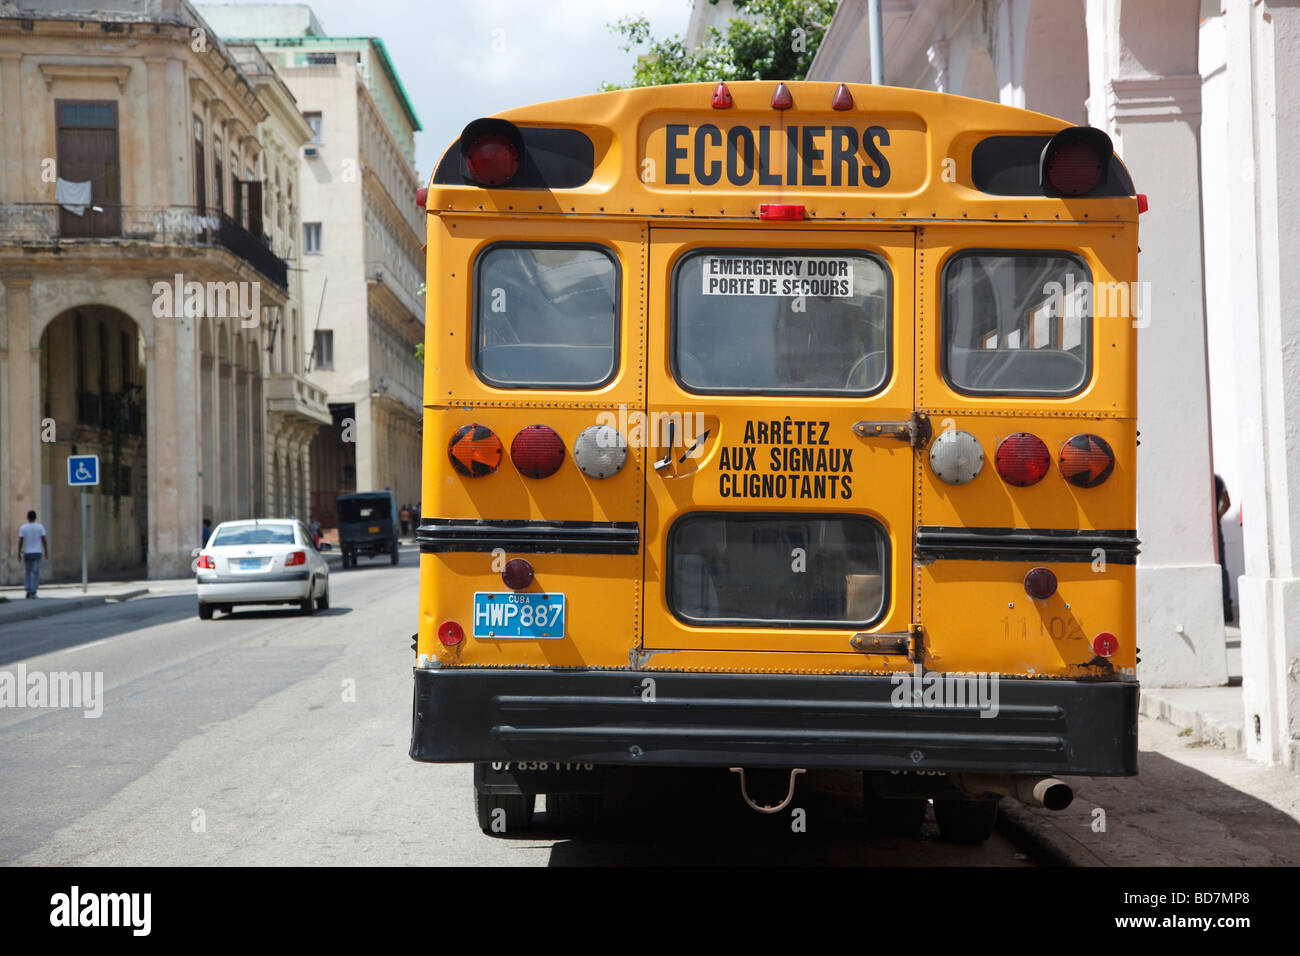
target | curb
[
  {"x": 52, "y": 606},
  {"x": 1038, "y": 837},
  {"x": 1209, "y": 727}
]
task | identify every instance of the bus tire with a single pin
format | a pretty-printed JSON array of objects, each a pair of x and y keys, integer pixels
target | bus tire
[
  {"x": 901, "y": 818},
  {"x": 966, "y": 821},
  {"x": 571, "y": 812},
  {"x": 502, "y": 814}
]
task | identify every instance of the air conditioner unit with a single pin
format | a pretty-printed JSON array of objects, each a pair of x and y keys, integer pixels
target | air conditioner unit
[{"x": 311, "y": 152}]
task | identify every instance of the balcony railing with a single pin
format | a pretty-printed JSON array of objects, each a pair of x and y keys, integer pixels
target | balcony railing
[{"x": 188, "y": 226}]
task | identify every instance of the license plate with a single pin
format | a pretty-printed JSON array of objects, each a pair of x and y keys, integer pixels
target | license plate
[
  {"x": 512, "y": 615},
  {"x": 249, "y": 564},
  {"x": 374, "y": 530}
]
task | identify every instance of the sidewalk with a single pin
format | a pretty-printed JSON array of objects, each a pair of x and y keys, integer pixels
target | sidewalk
[
  {"x": 1198, "y": 800},
  {"x": 68, "y": 596}
]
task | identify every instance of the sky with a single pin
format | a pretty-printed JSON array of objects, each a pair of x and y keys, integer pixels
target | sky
[{"x": 462, "y": 59}]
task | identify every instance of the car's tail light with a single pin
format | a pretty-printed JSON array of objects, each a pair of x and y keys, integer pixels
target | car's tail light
[
  {"x": 537, "y": 451},
  {"x": 205, "y": 561},
  {"x": 475, "y": 451},
  {"x": 518, "y": 574},
  {"x": 450, "y": 633},
  {"x": 1105, "y": 644},
  {"x": 294, "y": 558},
  {"x": 1040, "y": 584},
  {"x": 1086, "y": 461},
  {"x": 1022, "y": 459}
]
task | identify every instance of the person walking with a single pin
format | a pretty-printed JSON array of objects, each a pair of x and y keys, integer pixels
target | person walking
[
  {"x": 1222, "y": 503},
  {"x": 205, "y": 533},
  {"x": 405, "y": 516},
  {"x": 32, "y": 544}
]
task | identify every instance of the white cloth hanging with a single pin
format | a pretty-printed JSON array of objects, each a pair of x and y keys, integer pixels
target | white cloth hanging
[{"x": 74, "y": 197}]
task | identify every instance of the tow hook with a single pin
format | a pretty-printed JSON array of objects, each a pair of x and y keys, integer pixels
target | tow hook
[{"x": 762, "y": 809}]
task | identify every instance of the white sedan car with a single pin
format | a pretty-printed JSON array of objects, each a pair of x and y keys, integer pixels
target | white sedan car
[{"x": 261, "y": 561}]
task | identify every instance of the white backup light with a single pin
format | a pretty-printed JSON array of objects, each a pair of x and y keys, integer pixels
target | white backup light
[
  {"x": 956, "y": 457},
  {"x": 600, "y": 451}
]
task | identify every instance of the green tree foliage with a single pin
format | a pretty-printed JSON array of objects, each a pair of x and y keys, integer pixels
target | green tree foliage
[{"x": 771, "y": 40}]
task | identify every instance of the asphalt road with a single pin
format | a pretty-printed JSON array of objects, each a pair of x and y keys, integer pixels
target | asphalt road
[{"x": 273, "y": 738}]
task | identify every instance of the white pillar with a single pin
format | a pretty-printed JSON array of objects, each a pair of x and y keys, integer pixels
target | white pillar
[
  {"x": 1263, "y": 134},
  {"x": 1146, "y": 93}
]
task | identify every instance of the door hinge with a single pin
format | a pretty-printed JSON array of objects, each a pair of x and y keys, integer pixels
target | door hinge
[{"x": 915, "y": 431}]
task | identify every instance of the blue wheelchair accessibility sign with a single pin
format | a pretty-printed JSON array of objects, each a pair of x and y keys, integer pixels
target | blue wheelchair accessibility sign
[{"x": 83, "y": 470}]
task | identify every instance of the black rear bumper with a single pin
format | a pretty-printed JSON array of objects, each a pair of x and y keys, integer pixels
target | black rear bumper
[{"x": 464, "y": 715}]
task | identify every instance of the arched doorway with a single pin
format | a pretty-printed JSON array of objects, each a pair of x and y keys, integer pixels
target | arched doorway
[{"x": 93, "y": 403}]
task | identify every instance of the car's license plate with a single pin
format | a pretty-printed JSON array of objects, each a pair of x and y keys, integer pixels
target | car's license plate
[
  {"x": 250, "y": 564},
  {"x": 374, "y": 529},
  {"x": 514, "y": 615}
]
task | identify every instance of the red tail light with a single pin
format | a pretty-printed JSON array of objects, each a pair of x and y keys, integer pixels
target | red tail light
[
  {"x": 843, "y": 99},
  {"x": 422, "y": 196},
  {"x": 474, "y": 451},
  {"x": 205, "y": 561},
  {"x": 1105, "y": 644},
  {"x": 781, "y": 99},
  {"x": 1040, "y": 584},
  {"x": 721, "y": 97},
  {"x": 1086, "y": 461},
  {"x": 518, "y": 574},
  {"x": 450, "y": 633},
  {"x": 295, "y": 557},
  {"x": 1022, "y": 459},
  {"x": 537, "y": 451}
]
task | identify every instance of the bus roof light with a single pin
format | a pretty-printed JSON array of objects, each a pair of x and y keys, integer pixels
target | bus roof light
[
  {"x": 1022, "y": 459},
  {"x": 422, "y": 196},
  {"x": 774, "y": 210},
  {"x": 1074, "y": 161},
  {"x": 537, "y": 451},
  {"x": 721, "y": 97},
  {"x": 781, "y": 99},
  {"x": 843, "y": 99},
  {"x": 1142, "y": 203},
  {"x": 493, "y": 151}
]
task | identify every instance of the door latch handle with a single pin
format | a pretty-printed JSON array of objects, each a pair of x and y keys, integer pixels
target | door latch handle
[
  {"x": 915, "y": 430},
  {"x": 667, "y": 460}
]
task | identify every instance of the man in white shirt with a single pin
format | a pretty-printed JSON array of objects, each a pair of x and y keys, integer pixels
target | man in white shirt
[{"x": 31, "y": 545}]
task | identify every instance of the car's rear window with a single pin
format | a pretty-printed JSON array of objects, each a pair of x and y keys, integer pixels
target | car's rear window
[
  {"x": 546, "y": 316},
  {"x": 762, "y": 321},
  {"x": 253, "y": 534},
  {"x": 778, "y": 570},
  {"x": 1017, "y": 323},
  {"x": 365, "y": 509}
]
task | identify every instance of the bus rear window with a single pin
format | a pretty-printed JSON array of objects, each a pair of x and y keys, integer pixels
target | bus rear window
[
  {"x": 352, "y": 510},
  {"x": 777, "y": 570},
  {"x": 546, "y": 316},
  {"x": 750, "y": 322},
  {"x": 1017, "y": 323}
]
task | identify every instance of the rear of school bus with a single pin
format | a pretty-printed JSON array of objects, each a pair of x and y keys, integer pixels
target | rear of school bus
[{"x": 780, "y": 427}]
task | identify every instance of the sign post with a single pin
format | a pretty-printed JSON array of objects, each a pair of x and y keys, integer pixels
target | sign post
[{"x": 83, "y": 472}]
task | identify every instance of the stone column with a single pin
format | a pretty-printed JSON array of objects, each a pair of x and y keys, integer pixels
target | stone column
[
  {"x": 1262, "y": 136},
  {"x": 21, "y": 408},
  {"x": 13, "y": 161},
  {"x": 1146, "y": 93}
]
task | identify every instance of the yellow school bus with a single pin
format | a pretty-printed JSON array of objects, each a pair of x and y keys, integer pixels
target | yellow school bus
[{"x": 774, "y": 427}]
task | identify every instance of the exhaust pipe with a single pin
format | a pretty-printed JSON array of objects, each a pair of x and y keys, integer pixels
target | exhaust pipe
[{"x": 1045, "y": 792}]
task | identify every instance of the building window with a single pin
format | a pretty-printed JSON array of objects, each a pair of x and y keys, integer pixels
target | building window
[
  {"x": 200, "y": 190},
  {"x": 314, "y": 121},
  {"x": 217, "y": 174},
  {"x": 311, "y": 238},
  {"x": 323, "y": 350},
  {"x": 320, "y": 59}
]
